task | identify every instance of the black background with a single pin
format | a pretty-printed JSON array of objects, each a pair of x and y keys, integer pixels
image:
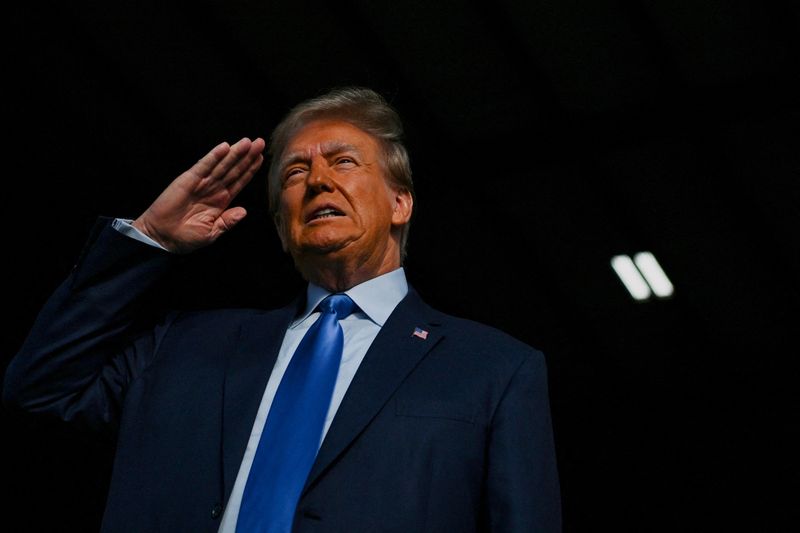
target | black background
[{"x": 545, "y": 138}]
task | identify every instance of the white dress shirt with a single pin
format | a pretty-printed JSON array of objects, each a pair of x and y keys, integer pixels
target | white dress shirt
[{"x": 375, "y": 298}]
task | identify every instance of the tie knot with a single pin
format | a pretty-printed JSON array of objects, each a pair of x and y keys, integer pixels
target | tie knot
[{"x": 341, "y": 304}]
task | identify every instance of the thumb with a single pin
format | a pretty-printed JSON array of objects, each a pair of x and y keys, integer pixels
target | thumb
[{"x": 228, "y": 219}]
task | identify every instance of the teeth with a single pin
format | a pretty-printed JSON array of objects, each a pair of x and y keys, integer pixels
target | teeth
[{"x": 326, "y": 213}]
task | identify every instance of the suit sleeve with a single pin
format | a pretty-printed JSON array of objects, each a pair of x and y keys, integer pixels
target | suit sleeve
[
  {"x": 84, "y": 348},
  {"x": 522, "y": 487}
]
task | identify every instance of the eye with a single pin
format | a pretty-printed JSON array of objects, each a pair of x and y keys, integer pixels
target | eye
[
  {"x": 345, "y": 160},
  {"x": 292, "y": 172}
]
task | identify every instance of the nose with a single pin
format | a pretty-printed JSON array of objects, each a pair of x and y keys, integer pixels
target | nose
[{"x": 319, "y": 180}]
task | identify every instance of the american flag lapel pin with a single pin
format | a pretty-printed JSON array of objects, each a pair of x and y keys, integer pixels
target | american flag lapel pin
[{"x": 421, "y": 333}]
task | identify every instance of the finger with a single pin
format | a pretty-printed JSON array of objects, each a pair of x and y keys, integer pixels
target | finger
[
  {"x": 207, "y": 163},
  {"x": 237, "y": 152},
  {"x": 227, "y": 220},
  {"x": 237, "y": 185},
  {"x": 244, "y": 164}
]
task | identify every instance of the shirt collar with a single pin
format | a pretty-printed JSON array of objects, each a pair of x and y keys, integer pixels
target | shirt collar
[{"x": 376, "y": 297}]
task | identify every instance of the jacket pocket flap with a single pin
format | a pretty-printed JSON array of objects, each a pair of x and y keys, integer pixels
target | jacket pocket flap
[{"x": 427, "y": 408}]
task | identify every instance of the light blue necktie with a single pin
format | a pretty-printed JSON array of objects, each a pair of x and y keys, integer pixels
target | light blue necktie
[{"x": 292, "y": 433}]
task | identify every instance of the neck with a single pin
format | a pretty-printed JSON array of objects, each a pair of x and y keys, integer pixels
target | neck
[{"x": 337, "y": 274}]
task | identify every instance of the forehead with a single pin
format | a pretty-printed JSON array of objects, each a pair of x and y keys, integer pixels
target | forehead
[{"x": 323, "y": 135}]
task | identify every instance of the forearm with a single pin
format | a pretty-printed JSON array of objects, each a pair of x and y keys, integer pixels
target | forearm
[{"x": 82, "y": 350}]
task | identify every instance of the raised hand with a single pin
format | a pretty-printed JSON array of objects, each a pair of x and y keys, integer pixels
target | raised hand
[{"x": 193, "y": 212}]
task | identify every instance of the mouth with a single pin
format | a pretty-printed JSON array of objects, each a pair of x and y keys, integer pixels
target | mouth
[{"x": 323, "y": 213}]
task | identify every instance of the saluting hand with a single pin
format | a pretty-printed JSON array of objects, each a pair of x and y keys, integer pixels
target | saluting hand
[{"x": 193, "y": 212}]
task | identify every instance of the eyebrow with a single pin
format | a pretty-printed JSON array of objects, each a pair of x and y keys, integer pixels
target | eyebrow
[{"x": 329, "y": 149}]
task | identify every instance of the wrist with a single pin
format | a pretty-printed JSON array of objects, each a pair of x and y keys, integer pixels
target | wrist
[{"x": 147, "y": 229}]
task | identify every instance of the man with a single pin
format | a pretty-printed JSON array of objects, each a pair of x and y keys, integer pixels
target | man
[{"x": 427, "y": 422}]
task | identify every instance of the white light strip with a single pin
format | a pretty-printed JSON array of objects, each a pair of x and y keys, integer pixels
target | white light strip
[
  {"x": 652, "y": 272},
  {"x": 630, "y": 277}
]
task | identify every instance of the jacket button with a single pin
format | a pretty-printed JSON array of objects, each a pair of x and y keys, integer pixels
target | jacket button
[{"x": 216, "y": 511}]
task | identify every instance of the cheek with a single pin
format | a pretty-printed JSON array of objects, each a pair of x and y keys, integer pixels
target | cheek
[
  {"x": 289, "y": 205},
  {"x": 380, "y": 203}
]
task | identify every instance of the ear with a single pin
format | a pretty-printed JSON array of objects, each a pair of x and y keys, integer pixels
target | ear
[{"x": 403, "y": 206}]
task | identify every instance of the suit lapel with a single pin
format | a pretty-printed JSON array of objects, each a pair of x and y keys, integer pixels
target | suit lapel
[
  {"x": 247, "y": 372},
  {"x": 392, "y": 356}
]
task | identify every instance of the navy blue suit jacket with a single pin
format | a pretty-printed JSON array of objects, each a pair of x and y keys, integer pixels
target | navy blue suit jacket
[{"x": 450, "y": 434}]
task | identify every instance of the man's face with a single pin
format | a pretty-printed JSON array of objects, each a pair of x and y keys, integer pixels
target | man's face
[{"x": 335, "y": 200}]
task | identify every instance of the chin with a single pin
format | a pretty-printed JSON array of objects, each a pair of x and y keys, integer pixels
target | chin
[
  {"x": 320, "y": 247},
  {"x": 325, "y": 241}
]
